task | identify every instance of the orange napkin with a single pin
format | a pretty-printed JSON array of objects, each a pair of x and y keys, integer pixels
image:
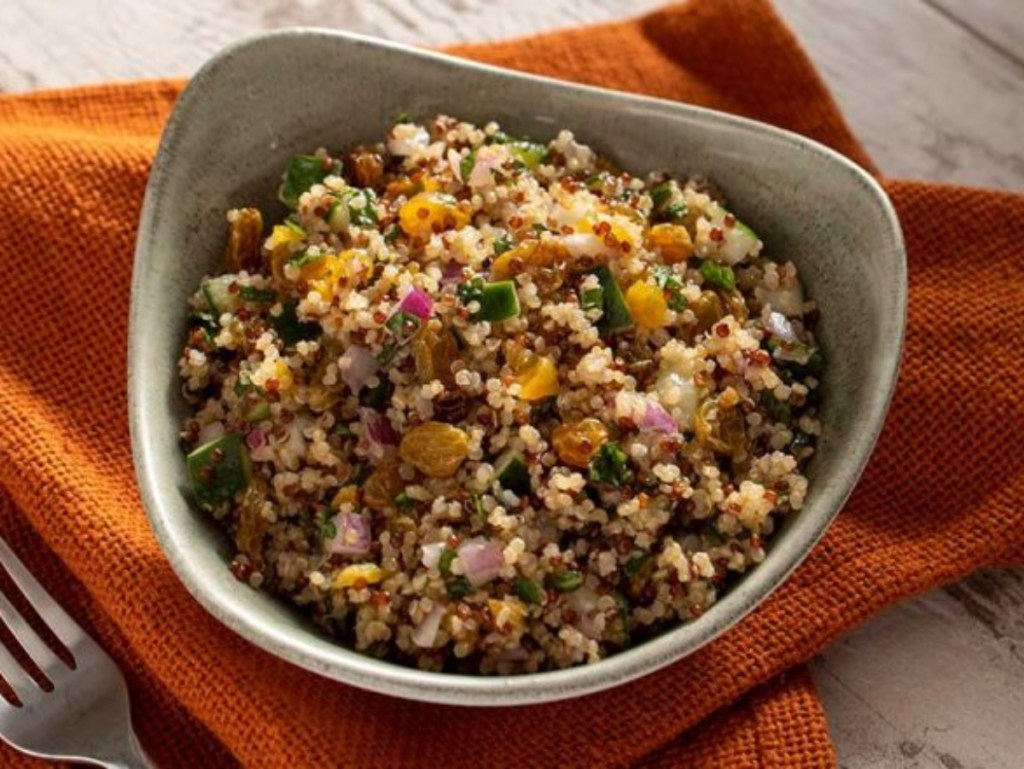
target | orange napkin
[{"x": 941, "y": 495}]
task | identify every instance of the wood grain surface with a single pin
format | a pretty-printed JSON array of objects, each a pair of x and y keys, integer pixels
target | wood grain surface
[{"x": 934, "y": 88}]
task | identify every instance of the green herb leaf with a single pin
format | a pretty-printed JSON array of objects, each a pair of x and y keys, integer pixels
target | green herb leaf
[
  {"x": 306, "y": 256},
  {"x": 670, "y": 283},
  {"x": 459, "y": 588},
  {"x": 661, "y": 194},
  {"x": 262, "y": 295},
  {"x": 329, "y": 530},
  {"x": 610, "y": 466},
  {"x": 379, "y": 396},
  {"x": 303, "y": 172},
  {"x": 502, "y": 244},
  {"x": 290, "y": 328}
]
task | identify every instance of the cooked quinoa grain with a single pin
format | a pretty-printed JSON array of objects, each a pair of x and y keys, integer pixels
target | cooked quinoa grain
[{"x": 480, "y": 404}]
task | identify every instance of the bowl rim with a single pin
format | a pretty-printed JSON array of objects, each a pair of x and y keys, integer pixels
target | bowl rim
[{"x": 342, "y": 664}]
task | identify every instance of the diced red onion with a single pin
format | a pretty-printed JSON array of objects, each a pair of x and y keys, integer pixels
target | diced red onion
[
  {"x": 432, "y": 554},
  {"x": 417, "y": 302},
  {"x": 354, "y": 535},
  {"x": 656, "y": 419},
  {"x": 426, "y": 632},
  {"x": 256, "y": 439},
  {"x": 377, "y": 431},
  {"x": 451, "y": 273},
  {"x": 481, "y": 561},
  {"x": 645, "y": 412},
  {"x": 583, "y": 603},
  {"x": 488, "y": 159},
  {"x": 356, "y": 366},
  {"x": 210, "y": 432},
  {"x": 515, "y": 654}
]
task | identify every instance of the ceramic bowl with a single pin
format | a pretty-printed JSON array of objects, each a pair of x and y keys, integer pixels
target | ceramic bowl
[{"x": 259, "y": 102}]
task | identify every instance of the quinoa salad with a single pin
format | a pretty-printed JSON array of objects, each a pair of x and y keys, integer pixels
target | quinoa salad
[{"x": 479, "y": 404}]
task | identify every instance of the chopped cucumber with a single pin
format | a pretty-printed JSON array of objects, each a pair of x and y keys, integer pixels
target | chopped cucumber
[
  {"x": 466, "y": 166},
  {"x": 616, "y": 316},
  {"x": 364, "y": 215},
  {"x": 529, "y": 591},
  {"x": 337, "y": 217},
  {"x": 511, "y": 472},
  {"x": 619, "y": 629},
  {"x": 219, "y": 469},
  {"x": 592, "y": 299},
  {"x": 530, "y": 154},
  {"x": 566, "y": 581},
  {"x": 444, "y": 563},
  {"x": 718, "y": 275},
  {"x": 302, "y": 173},
  {"x": 498, "y": 301},
  {"x": 218, "y": 294},
  {"x": 257, "y": 412}
]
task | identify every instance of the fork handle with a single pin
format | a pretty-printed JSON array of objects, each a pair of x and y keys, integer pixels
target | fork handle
[{"x": 132, "y": 757}]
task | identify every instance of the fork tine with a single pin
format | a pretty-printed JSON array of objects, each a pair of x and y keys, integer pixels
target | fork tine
[
  {"x": 36, "y": 647},
  {"x": 65, "y": 628},
  {"x": 15, "y": 675}
]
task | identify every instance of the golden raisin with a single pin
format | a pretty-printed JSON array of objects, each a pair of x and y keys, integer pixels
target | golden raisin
[
  {"x": 435, "y": 449},
  {"x": 245, "y": 240},
  {"x": 383, "y": 485},
  {"x": 719, "y": 428},
  {"x": 709, "y": 310},
  {"x": 576, "y": 443}
]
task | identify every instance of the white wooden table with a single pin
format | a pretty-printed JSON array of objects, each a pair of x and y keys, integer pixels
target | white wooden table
[{"x": 934, "y": 88}]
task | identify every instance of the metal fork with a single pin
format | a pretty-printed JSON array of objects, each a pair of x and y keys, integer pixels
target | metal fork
[{"x": 85, "y": 716}]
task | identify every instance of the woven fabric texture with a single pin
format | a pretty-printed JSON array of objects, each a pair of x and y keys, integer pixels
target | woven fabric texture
[{"x": 940, "y": 496}]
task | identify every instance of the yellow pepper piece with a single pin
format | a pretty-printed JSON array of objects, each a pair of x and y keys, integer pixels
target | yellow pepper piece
[
  {"x": 671, "y": 241},
  {"x": 507, "y": 614},
  {"x": 647, "y": 305},
  {"x": 429, "y": 212},
  {"x": 365, "y": 573},
  {"x": 283, "y": 375},
  {"x": 538, "y": 380},
  {"x": 282, "y": 235}
]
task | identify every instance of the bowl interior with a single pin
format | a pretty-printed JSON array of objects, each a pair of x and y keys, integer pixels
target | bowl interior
[{"x": 257, "y": 104}]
